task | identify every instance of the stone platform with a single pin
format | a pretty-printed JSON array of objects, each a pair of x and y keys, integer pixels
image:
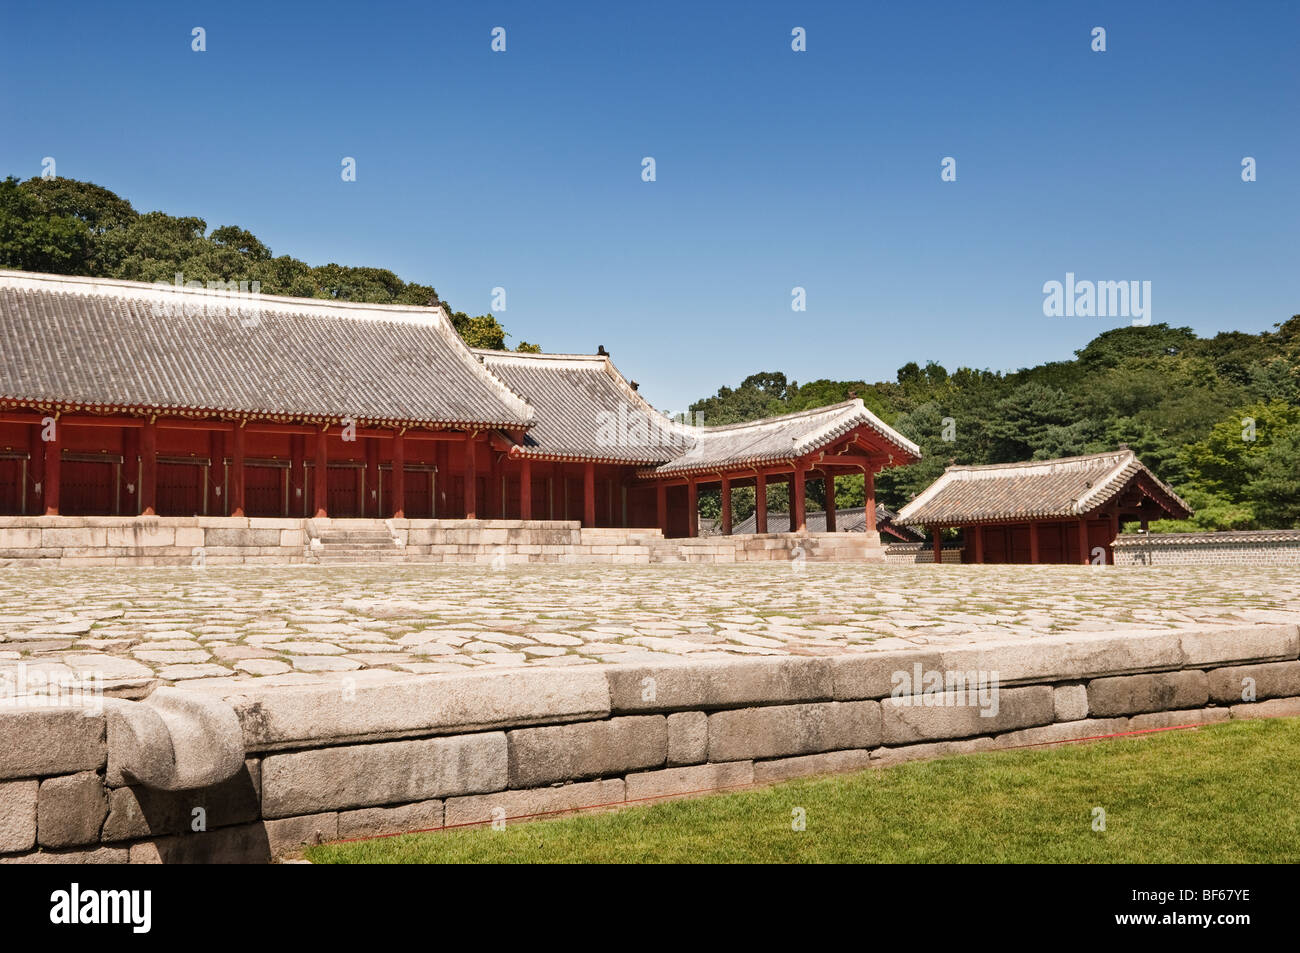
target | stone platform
[
  {"x": 202, "y": 541},
  {"x": 141, "y": 627}
]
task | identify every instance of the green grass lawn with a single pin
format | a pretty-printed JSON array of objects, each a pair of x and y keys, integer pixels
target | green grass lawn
[{"x": 1220, "y": 794}]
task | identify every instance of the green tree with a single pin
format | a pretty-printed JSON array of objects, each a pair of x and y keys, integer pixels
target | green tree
[{"x": 1274, "y": 490}]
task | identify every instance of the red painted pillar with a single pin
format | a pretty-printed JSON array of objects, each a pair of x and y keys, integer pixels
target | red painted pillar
[
  {"x": 760, "y": 504},
  {"x": 320, "y": 476},
  {"x": 828, "y": 483},
  {"x": 471, "y": 478},
  {"x": 371, "y": 501},
  {"x": 297, "y": 474},
  {"x": 589, "y": 494},
  {"x": 149, "y": 468},
  {"x": 53, "y": 459},
  {"x": 398, "y": 484},
  {"x": 726, "y": 506},
  {"x": 1033, "y": 542},
  {"x": 798, "y": 520},
  {"x": 937, "y": 544},
  {"x": 36, "y": 474},
  {"x": 237, "y": 470},
  {"x": 869, "y": 499},
  {"x": 131, "y": 471},
  {"x": 492, "y": 505},
  {"x": 661, "y": 507},
  {"x": 979, "y": 543},
  {"x": 1114, "y": 534},
  {"x": 1083, "y": 542},
  {"x": 692, "y": 509},
  {"x": 525, "y": 489}
]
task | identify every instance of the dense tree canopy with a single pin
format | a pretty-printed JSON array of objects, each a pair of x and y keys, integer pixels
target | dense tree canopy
[
  {"x": 1218, "y": 418},
  {"x": 67, "y": 227}
]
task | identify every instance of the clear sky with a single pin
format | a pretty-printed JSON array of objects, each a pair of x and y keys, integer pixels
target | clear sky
[{"x": 775, "y": 168}]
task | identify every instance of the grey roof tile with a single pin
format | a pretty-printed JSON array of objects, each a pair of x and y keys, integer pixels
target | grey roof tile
[
  {"x": 586, "y": 410},
  {"x": 120, "y": 345},
  {"x": 774, "y": 439},
  {"x": 1064, "y": 488}
]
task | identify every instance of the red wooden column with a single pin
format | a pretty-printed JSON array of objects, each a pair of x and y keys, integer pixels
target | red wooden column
[
  {"x": 1114, "y": 534},
  {"x": 726, "y": 506},
  {"x": 979, "y": 543},
  {"x": 869, "y": 499},
  {"x": 760, "y": 504},
  {"x": 36, "y": 476},
  {"x": 297, "y": 474},
  {"x": 237, "y": 470},
  {"x": 53, "y": 458},
  {"x": 525, "y": 489},
  {"x": 130, "y": 471},
  {"x": 1083, "y": 541},
  {"x": 319, "y": 477},
  {"x": 661, "y": 507},
  {"x": 828, "y": 483},
  {"x": 471, "y": 478},
  {"x": 692, "y": 508},
  {"x": 589, "y": 494},
  {"x": 938, "y": 544},
  {"x": 371, "y": 500},
  {"x": 798, "y": 521},
  {"x": 398, "y": 483},
  {"x": 1033, "y": 542},
  {"x": 492, "y": 505},
  {"x": 149, "y": 468}
]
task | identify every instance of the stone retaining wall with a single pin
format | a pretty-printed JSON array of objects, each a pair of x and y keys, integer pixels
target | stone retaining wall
[
  {"x": 1248, "y": 548},
  {"x": 364, "y": 756},
  {"x": 219, "y": 541}
]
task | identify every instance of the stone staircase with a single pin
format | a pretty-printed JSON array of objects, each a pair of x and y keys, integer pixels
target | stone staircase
[
  {"x": 337, "y": 543},
  {"x": 634, "y": 545}
]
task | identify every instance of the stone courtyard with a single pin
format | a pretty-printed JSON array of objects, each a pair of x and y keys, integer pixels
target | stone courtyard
[{"x": 213, "y": 627}]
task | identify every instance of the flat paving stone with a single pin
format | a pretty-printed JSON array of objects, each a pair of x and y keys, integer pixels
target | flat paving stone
[{"x": 273, "y": 624}]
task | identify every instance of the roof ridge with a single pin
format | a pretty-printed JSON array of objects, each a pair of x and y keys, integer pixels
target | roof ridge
[
  {"x": 537, "y": 355},
  {"x": 806, "y": 412},
  {"x": 90, "y": 286},
  {"x": 1031, "y": 464}
]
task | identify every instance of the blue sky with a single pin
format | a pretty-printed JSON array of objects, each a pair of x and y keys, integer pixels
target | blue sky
[{"x": 775, "y": 169}]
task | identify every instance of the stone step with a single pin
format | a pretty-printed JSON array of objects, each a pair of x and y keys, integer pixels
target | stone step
[
  {"x": 377, "y": 547},
  {"x": 359, "y": 551}
]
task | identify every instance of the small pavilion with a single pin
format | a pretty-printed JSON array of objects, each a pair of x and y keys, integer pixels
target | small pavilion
[{"x": 1067, "y": 510}]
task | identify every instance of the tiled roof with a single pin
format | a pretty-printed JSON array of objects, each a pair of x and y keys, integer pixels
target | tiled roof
[
  {"x": 848, "y": 519},
  {"x": 774, "y": 439},
  {"x": 1069, "y": 487},
  {"x": 586, "y": 410},
  {"x": 117, "y": 345}
]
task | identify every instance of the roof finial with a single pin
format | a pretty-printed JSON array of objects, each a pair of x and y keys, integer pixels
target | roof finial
[{"x": 600, "y": 351}]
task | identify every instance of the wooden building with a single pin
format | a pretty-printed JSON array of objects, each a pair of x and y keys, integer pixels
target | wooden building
[
  {"x": 1067, "y": 510},
  {"x": 849, "y": 519},
  {"x": 125, "y": 398}
]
